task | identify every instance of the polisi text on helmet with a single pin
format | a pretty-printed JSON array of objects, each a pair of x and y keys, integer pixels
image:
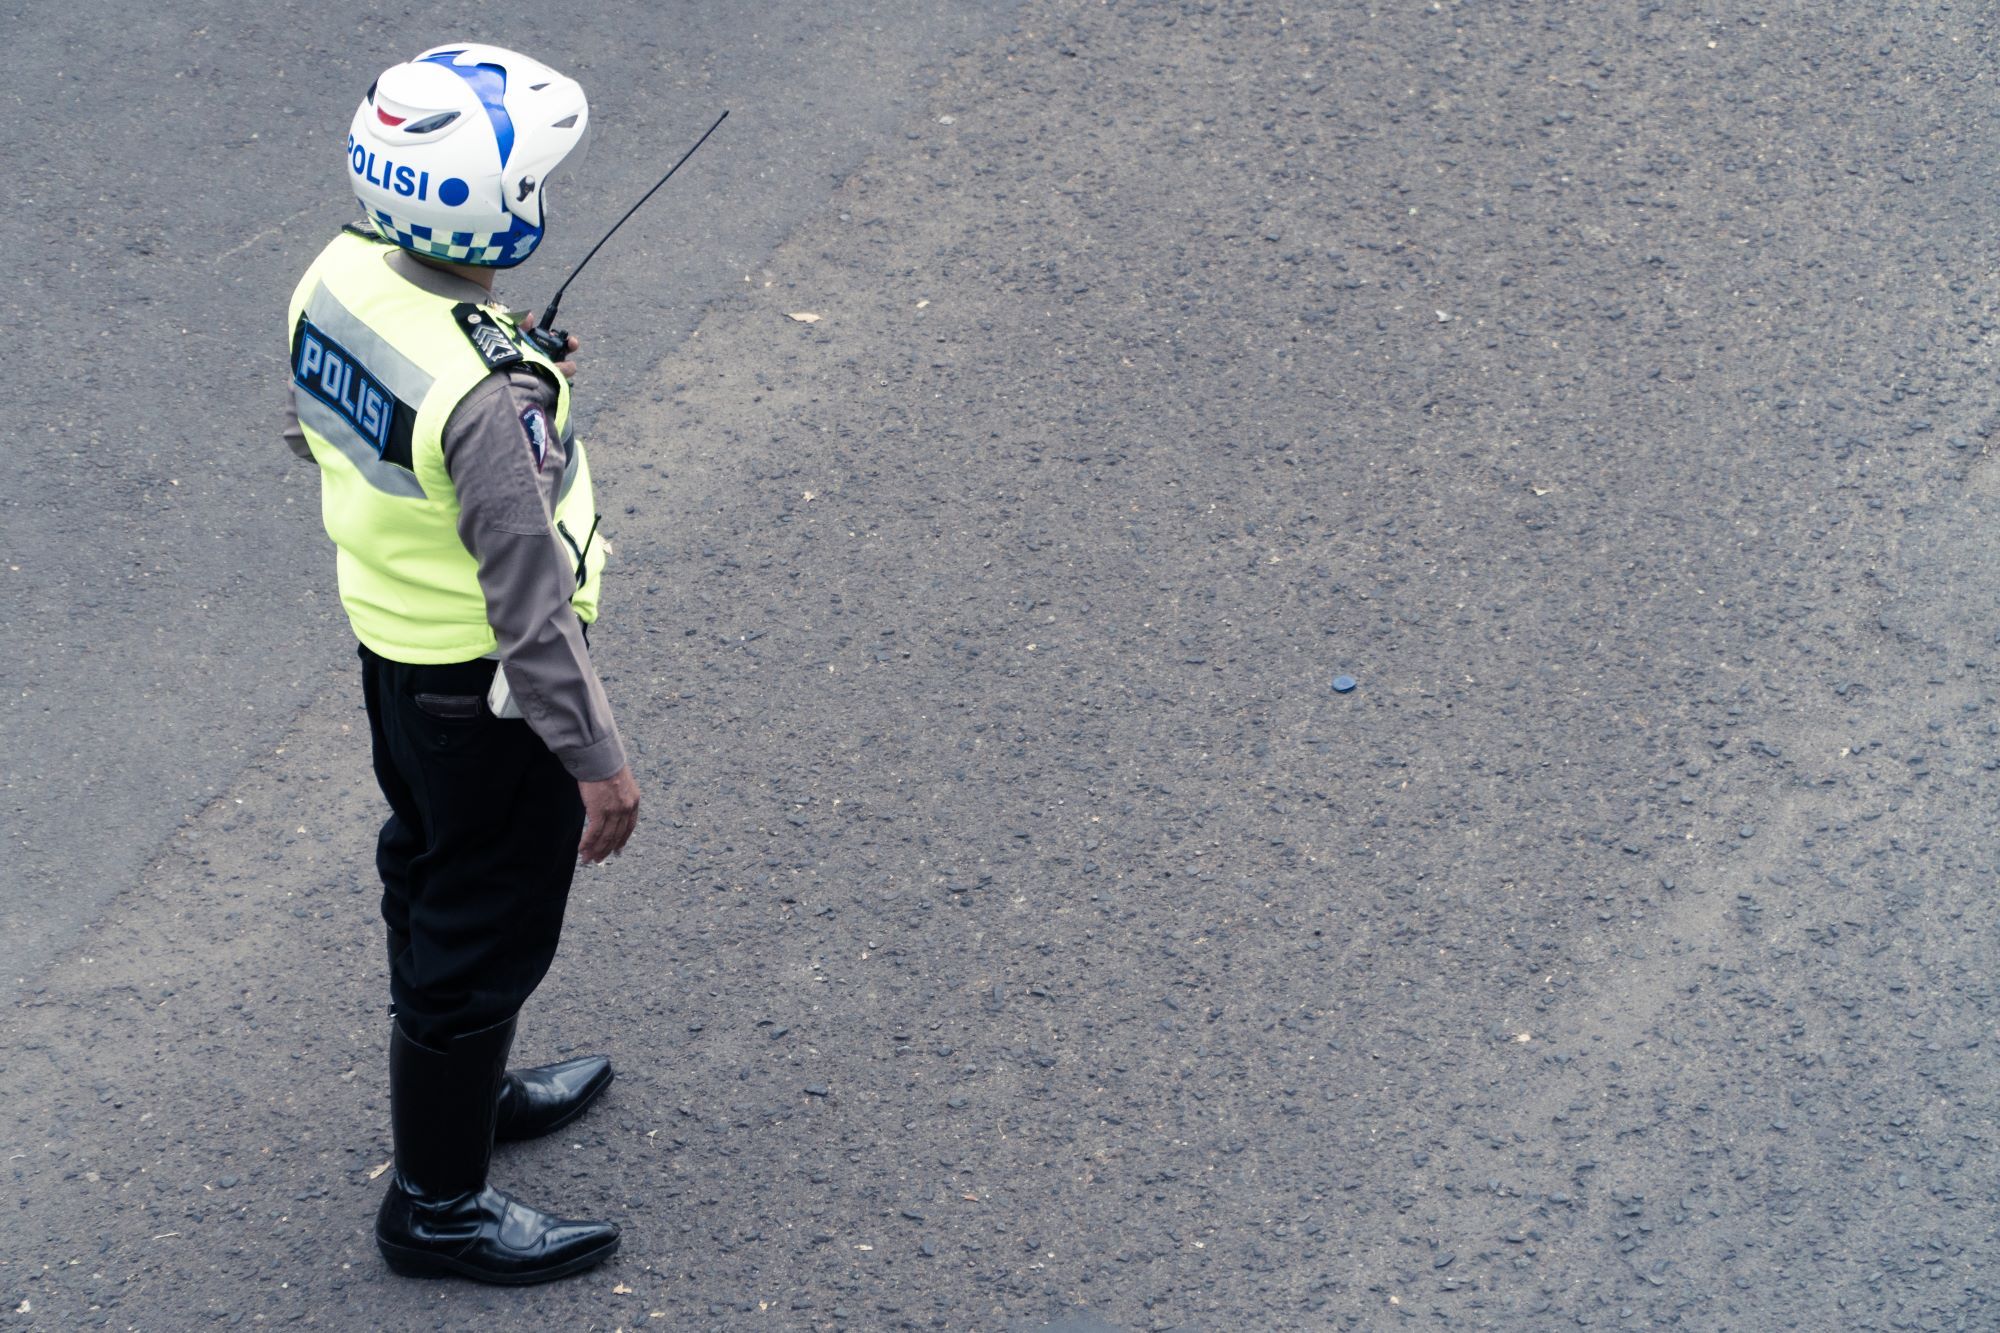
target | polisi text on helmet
[{"x": 386, "y": 175}]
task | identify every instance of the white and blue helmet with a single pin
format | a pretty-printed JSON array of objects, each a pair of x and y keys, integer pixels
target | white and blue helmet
[{"x": 451, "y": 153}]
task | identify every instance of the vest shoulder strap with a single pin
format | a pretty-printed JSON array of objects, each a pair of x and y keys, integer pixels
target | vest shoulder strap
[{"x": 488, "y": 339}]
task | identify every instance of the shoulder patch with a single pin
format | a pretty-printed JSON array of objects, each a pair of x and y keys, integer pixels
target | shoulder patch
[
  {"x": 535, "y": 422},
  {"x": 486, "y": 336}
]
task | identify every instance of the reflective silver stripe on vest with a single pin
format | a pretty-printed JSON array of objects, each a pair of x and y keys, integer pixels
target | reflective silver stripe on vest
[
  {"x": 332, "y": 427},
  {"x": 570, "y": 468},
  {"x": 398, "y": 374}
]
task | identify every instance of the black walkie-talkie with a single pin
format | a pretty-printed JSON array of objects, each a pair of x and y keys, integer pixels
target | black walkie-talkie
[{"x": 553, "y": 341}]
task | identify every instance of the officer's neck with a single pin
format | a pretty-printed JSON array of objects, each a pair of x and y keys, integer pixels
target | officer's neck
[{"x": 470, "y": 272}]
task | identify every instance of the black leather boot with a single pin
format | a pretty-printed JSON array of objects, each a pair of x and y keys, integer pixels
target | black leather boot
[
  {"x": 537, "y": 1101},
  {"x": 440, "y": 1217}
]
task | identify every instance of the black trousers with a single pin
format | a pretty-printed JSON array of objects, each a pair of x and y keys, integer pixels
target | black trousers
[{"x": 478, "y": 852}]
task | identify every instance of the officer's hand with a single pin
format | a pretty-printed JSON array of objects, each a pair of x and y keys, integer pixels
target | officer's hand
[
  {"x": 568, "y": 365},
  {"x": 610, "y": 812}
]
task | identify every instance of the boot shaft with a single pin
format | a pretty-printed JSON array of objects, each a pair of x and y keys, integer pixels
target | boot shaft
[{"x": 442, "y": 1105}]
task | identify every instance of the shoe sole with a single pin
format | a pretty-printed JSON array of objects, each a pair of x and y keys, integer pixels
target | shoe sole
[
  {"x": 574, "y": 1113},
  {"x": 406, "y": 1262}
]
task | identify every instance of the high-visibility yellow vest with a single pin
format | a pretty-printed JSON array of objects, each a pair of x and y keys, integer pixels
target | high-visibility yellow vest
[{"x": 378, "y": 364}]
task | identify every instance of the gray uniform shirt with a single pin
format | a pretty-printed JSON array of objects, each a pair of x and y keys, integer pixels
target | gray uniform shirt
[{"x": 506, "y": 500}]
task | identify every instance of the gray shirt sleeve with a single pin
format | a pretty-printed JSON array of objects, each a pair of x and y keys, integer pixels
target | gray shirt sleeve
[{"x": 506, "y": 498}]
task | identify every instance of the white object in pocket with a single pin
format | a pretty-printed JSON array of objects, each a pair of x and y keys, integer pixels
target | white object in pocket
[{"x": 500, "y": 697}]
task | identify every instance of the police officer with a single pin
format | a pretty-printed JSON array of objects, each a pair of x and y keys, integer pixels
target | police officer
[{"x": 470, "y": 564}]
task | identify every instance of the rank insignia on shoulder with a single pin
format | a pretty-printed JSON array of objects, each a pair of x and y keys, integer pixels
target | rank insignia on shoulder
[{"x": 486, "y": 336}]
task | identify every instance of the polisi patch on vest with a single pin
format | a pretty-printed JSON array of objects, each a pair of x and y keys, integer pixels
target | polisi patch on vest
[
  {"x": 488, "y": 339},
  {"x": 335, "y": 376}
]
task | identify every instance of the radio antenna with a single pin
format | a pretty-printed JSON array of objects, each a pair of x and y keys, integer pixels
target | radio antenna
[{"x": 553, "y": 340}]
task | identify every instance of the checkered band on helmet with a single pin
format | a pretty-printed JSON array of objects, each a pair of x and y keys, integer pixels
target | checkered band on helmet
[{"x": 460, "y": 247}]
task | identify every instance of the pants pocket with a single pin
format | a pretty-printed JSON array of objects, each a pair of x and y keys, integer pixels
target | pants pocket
[{"x": 450, "y": 707}]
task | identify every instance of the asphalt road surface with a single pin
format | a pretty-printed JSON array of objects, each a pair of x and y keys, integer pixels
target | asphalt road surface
[{"x": 1021, "y": 929}]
